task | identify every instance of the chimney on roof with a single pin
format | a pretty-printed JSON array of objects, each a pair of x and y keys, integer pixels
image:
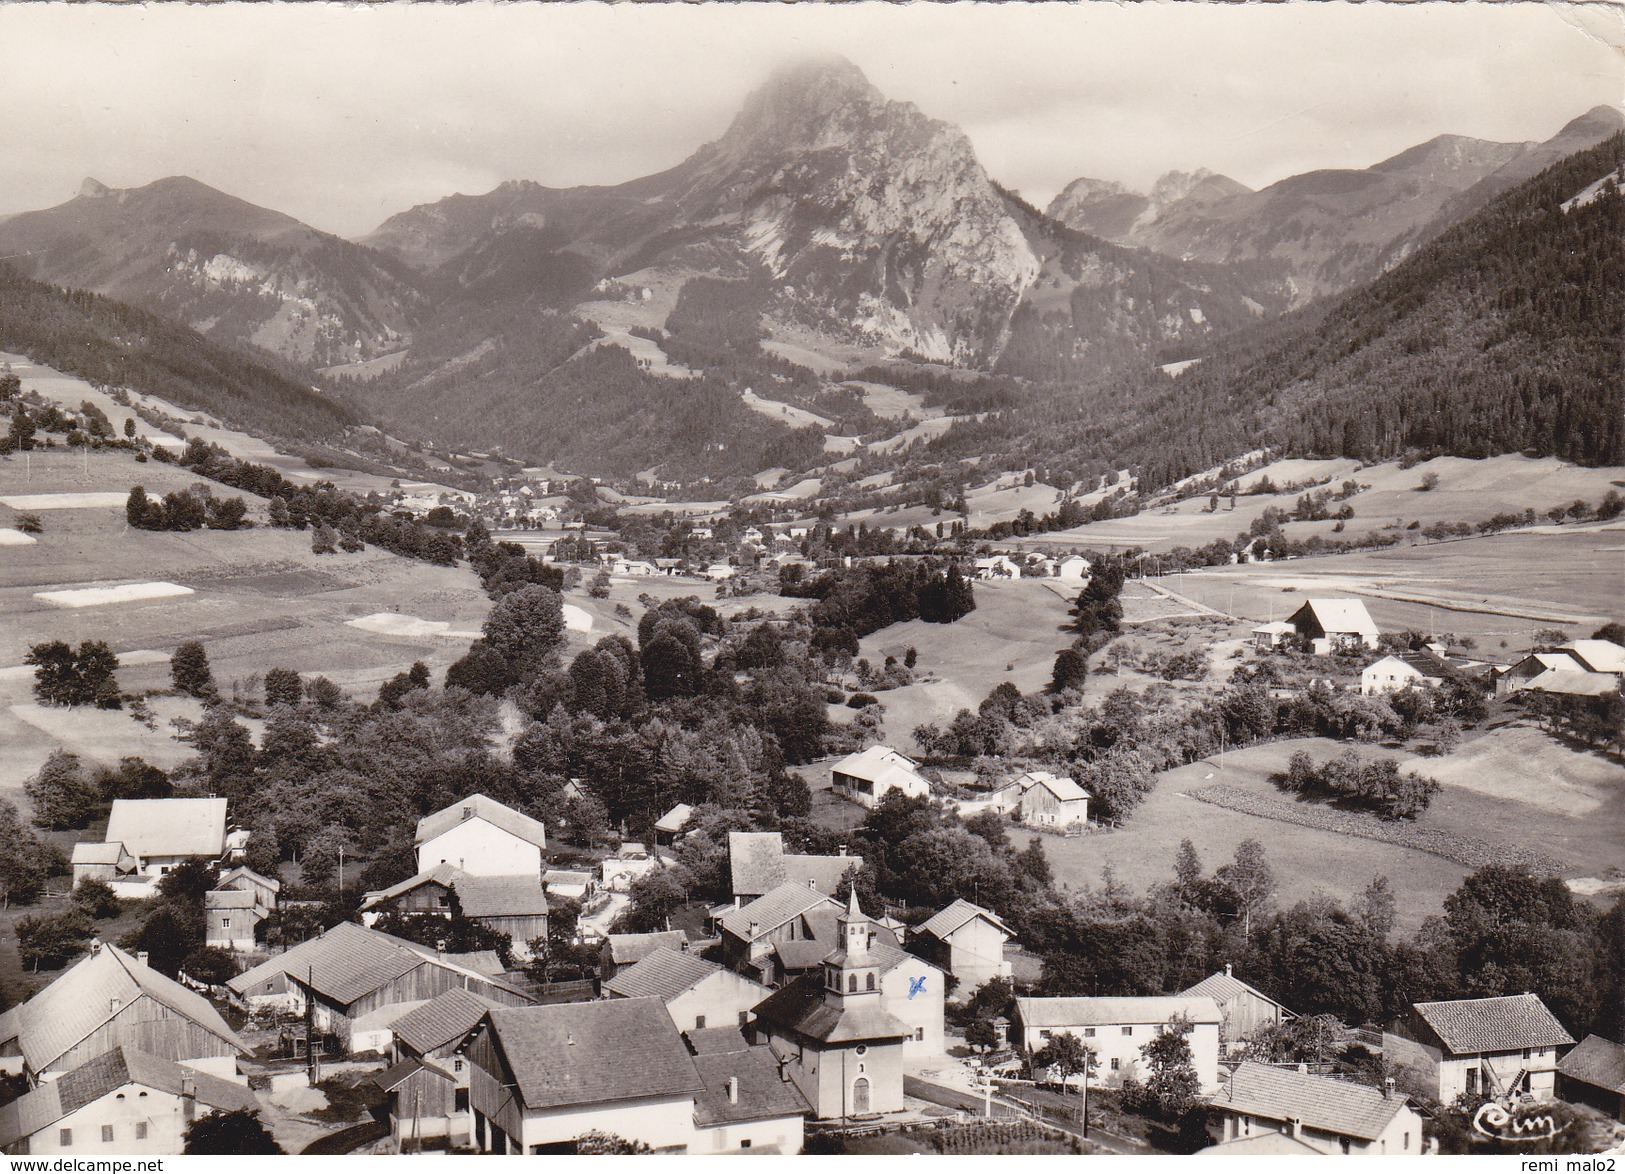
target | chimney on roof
[
  {"x": 755, "y": 928},
  {"x": 188, "y": 1086},
  {"x": 1293, "y": 1125},
  {"x": 1387, "y": 1088},
  {"x": 733, "y": 1090},
  {"x": 811, "y": 883},
  {"x": 843, "y": 849},
  {"x": 1228, "y": 970},
  {"x": 141, "y": 956}
]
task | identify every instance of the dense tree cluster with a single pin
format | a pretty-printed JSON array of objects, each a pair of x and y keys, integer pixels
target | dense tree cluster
[
  {"x": 67, "y": 676},
  {"x": 1375, "y": 785},
  {"x": 184, "y": 510}
]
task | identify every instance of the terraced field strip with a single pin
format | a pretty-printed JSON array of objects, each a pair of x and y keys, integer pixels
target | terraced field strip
[{"x": 1465, "y": 850}]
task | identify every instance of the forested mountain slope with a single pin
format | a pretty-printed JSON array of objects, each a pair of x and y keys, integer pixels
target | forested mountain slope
[
  {"x": 103, "y": 340},
  {"x": 1502, "y": 335}
]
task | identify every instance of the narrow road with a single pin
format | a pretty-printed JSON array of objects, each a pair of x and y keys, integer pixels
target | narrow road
[{"x": 956, "y": 1098}]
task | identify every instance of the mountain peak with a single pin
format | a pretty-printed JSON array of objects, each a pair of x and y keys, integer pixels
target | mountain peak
[
  {"x": 94, "y": 189},
  {"x": 803, "y": 105},
  {"x": 1598, "y": 121}
]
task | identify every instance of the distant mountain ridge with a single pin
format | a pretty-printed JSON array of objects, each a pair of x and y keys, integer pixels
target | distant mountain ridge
[
  {"x": 228, "y": 268},
  {"x": 1327, "y": 230}
]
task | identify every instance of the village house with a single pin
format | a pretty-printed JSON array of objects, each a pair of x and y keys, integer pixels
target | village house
[
  {"x": 1331, "y": 1116},
  {"x": 1496, "y": 1047},
  {"x": 267, "y": 889},
  {"x": 624, "y": 949},
  {"x": 427, "y": 1081},
  {"x": 1420, "y": 669},
  {"x": 632, "y": 861},
  {"x": 1335, "y": 625},
  {"x": 361, "y": 982},
  {"x": 1593, "y": 1073},
  {"x": 1537, "y": 664},
  {"x": 231, "y": 917},
  {"x": 669, "y": 827},
  {"x": 1117, "y": 1028},
  {"x": 109, "y": 999},
  {"x": 967, "y": 941},
  {"x": 158, "y": 835},
  {"x": 483, "y": 838},
  {"x": 832, "y": 1031},
  {"x": 121, "y": 1102},
  {"x": 1273, "y": 634},
  {"x": 102, "y": 861},
  {"x": 997, "y": 566},
  {"x": 1245, "y": 1009},
  {"x": 696, "y": 993},
  {"x": 1599, "y": 656},
  {"x": 867, "y": 777},
  {"x": 758, "y": 863},
  {"x": 542, "y": 1077},
  {"x": 788, "y": 933},
  {"x": 1074, "y": 568},
  {"x": 568, "y": 884},
  {"x": 512, "y": 905},
  {"x": 748, "y": 1105},
  {"x": 1040, "y": 799}
]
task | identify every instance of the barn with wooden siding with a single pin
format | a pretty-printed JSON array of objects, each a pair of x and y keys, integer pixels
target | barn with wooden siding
[
  {"x": 514, "y": 905},
  {"x": 111, "y": 1000}
]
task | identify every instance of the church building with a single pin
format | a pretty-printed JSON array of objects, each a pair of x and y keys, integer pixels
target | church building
[{"x": 831, "y": 1032}]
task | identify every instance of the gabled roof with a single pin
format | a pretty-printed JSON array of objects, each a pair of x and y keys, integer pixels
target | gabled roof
[
  {"x": 672, "y": 822},
  {"x": 480, "y": 896},
  {"x": 1598, "y": 1062},
  {"x": 483, "y": 962},
  {"x": 87, "y": 852},
  {"x": 1574, "y": 684},
  {"x": 1221, "y": 987},
  {"x": 482, "y": 807},
  {"x": 664, "y": 974},
  {"x": 1420, "y": 659},
  {"x": 1340, "y": 615},
  {"x": 1501, "y": 1024},
  {"x": 1600, "y": 656},
  {"x": 632, "y": 947},
  {"x": 1063, "y": 788},
  {"x": 243, "y": 873},
  {"x": 946, "y": 921},
  {"x": 1333, "y": 1106},
  {"x": 168, "y": 827},
  {"x": 230, "y": 899},
  {"x": 1551, "y": 661},
  {"x": 1274, "y": 628},
  {"x": 802, "y": 1008},
  {"x": 879, "y": 764},
  {"x": 773, "y": 909},
  {"x": 442, "y": 1020},
  {"x": 592, "y": 1053},
  {"x": 90, "y": 993},
  {"x": 760, "y": 1093},
  {"x": 802, "y": 954},
  {"x": 1111, "y": 1010},
  {"x": 106, "y": 1074}
]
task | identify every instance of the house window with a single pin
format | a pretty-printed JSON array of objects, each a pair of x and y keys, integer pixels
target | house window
[
  {"x": 919, "y": 1035},
  {"x": 460, "y": 1100},
  {"x": 699, "y": 1022},
  {"x": 1116, "y": 1063},
  {"x": 225, "y": 923},
  {"x": 1345, "y": 1142},
  {"x": 1088, "y": 1033},
  {"x": 141, "y": 1131},
  {"x": 1407, "y": 1145},
  {"x": 107, "y": 1133},
  {"x": 852, "y": 984},
  {"x": 1128, "y": 1030},
  {"x": 869, "y": 982},
  {"x": 1472, "y": 1082},
  {"x": 457, "y": 1064},
  {"x": 64, "y": 1137},
  {"x": 744, "y": 1018},
  {"x": 745, "y": 1145}
]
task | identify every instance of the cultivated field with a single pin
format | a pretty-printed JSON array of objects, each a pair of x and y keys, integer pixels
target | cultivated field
[
  {"x": 1467, "y": 491},
  {"x": 1512, "y": 787},
  {"x": 257, "y": 599}
]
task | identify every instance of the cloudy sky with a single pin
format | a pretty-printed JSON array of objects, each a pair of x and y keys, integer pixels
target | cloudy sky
[{"x": 344, "y": 115}]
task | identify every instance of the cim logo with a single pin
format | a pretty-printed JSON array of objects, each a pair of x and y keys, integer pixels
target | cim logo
[
  {"x": 1498, "y": 1124},
  {"x": 916, "y": 986}
]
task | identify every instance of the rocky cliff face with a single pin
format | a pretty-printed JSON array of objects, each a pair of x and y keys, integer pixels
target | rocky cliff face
[
  {"x": 1324, "y": 231},
  {"x": 227, "y": 268}
]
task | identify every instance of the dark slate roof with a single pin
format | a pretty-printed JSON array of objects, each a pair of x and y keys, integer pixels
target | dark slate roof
[
  {"x": 442, "y": 1020},
  {"x": 592, "y": 1053},
  {"x": 773, "y": 909},
  {"x": 107, "y": 1073},
  {"x": 1334, "y": 1106},
  {"x": 801, "y": 1008},
  {"x": 762, "y": 1094},
  {"x": 1502, "y": 1024},
  {"x": 1596, "y": 1061},
  {"x": 480, "y": 896},
  {"x": 664, "y": 975},
  {"x": 706, "y": 1041},
  {"x": 632, "y": 947},
  {"x": 1426, "y": 663},
  {"x": 482, "y": 807},
  {"x": 803, "y": 953}
]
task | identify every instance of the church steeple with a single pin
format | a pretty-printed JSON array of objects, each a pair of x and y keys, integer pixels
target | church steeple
[{"x": 851, "y": 971}]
